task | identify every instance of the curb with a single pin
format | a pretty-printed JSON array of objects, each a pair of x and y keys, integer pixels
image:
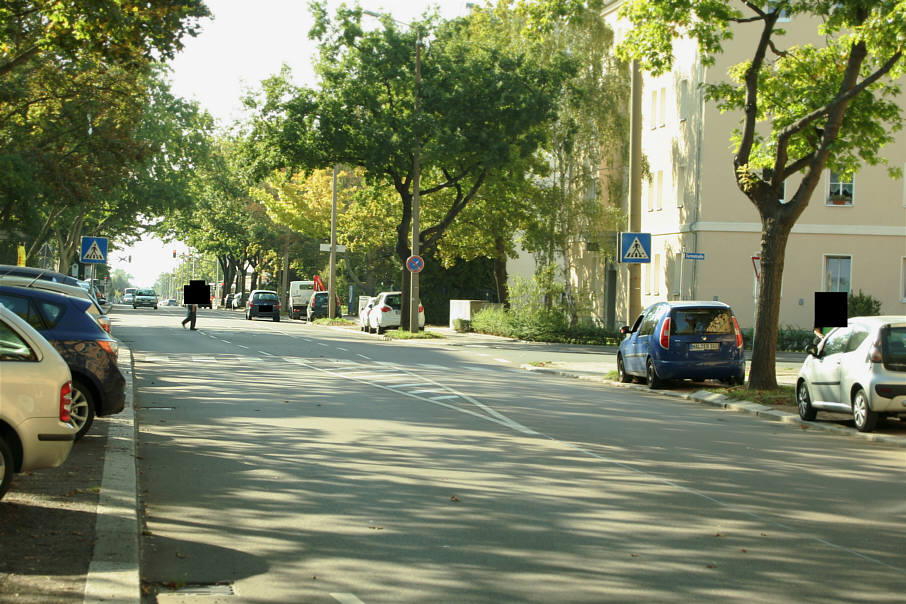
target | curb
[
  {"x": 113, "y": 574},
  {"x": 719, "y": 400}
]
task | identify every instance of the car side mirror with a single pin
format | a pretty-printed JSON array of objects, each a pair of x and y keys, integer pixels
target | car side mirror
[
  {"x": 625, "y": 329},
  {"x": 812, "y": 350}
]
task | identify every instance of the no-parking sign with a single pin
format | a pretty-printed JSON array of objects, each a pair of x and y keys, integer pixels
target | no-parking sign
[{"x": 415, "y": 264}]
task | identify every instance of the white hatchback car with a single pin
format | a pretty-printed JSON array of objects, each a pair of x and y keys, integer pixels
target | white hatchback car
[
  {"x": 386, "y": 312},
  {"x": 858, "y": 369},
  {"x": 35, "y": 399},
  {"x": 363, "y": 314}
]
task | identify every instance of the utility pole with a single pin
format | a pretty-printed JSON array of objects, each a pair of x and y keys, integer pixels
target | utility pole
[{"x": 331, "y": 279}]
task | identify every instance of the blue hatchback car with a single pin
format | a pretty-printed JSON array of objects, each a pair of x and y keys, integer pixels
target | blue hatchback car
[
  {"x": 98, "y": 385},
  {"x": 683, "y": 340}
]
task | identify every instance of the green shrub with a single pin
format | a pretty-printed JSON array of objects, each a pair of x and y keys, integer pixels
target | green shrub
[
  {"x": 863, "y": 305},
  {"x": 462, "y": 325},
  {"x": 789, "y": 338}
]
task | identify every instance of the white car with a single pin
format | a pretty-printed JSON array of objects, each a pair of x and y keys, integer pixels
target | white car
[
  {"x": 386, "y": 312},
  {"x": 858, "y": 369},
  {"x": 363, "y": 314},
  {"x": 145, "y": 297},
  {"x": 35, "y": 399}
]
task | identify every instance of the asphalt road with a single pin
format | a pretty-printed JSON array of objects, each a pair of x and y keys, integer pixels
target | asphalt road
[{"x": 283, "y": 462}]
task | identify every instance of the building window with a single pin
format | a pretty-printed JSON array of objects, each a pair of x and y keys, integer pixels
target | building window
[
  {"x": 680, "y": 186},
  {"x": 653, "y": 109},
  {"x": 651, "y": 194},
  {"x": 903, "y": 279},
  {"x": 840, "y": 192},
  {"x": 663, "y": 108},
  {"x": 657, "y": 274},
  {"x": 658, "y": 200},
  {"x": 837, "y": 273}
]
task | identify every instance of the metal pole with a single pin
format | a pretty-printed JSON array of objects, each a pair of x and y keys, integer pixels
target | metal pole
[
  {"x": 635, "y": 188},
  {"x": 331, "y": 284},
  {"x": 416, "y": 194}
]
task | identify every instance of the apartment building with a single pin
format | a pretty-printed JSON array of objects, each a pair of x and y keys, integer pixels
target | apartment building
[{"x": 851, "y": 237}]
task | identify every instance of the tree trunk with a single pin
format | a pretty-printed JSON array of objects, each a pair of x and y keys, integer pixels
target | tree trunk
[
  {"x": 406, "y": 284},
  {"x": 762, "y": 368},
  {"x": 500, "y": 274}
]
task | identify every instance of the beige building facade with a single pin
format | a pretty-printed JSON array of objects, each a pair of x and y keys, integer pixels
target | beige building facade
[{"x": 851, "y": 237}]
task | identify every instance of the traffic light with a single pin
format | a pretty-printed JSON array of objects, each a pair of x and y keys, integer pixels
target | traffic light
[{"x": 174, "y": 253}]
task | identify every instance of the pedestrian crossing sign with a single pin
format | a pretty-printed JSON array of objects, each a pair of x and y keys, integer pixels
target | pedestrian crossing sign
[
  {"x": 635, "y": 248},
  {"x": 94, "y": 250}
]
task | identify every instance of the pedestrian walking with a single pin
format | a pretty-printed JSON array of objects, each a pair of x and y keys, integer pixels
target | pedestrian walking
[{"x": 191, "y": 310}]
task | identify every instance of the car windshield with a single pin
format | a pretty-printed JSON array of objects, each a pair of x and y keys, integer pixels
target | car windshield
[
  {"x": 692, "y": 321},
  {"x": 266, "y": 297},
  {"x": 145, "y": 292}
]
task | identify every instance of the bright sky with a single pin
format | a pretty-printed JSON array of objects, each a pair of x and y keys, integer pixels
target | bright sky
[{"x": 243, "y": 44}]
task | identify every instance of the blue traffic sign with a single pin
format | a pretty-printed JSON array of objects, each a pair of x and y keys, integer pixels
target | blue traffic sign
[
  {"x": 94, "y": 250},
  {"x": 694, "y": 255},
  {"x": 635, "y": 248},
  {"x": 415, "y": 264}
]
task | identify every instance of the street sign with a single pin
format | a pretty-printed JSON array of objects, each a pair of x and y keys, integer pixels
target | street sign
[
  {"x": 415, "y": 264},
  {"x": 635, "y": 248},
  {"x": 325, "y": 247},
  {"x": 94, "y": 250},
  {"x": 694, "y": 255}
]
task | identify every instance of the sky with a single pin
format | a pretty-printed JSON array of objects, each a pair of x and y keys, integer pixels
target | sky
[{"x": 243, "y": 44}]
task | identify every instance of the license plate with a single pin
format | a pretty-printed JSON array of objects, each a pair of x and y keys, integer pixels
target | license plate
[{"x": 704, "y": 346}]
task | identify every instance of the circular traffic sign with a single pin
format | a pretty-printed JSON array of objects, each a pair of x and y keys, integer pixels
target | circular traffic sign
[{"x": 415, "y": 264}]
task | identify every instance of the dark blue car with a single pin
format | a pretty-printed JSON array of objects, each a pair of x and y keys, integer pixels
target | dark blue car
[
  {"x": 683, "y": 340},
  {"x": 98, "y": 386}
]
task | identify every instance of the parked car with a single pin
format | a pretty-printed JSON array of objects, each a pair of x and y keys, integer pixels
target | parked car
[
  {"x": 169, "y": 302},
  {"x": 35, "y": 399},
  {"x": 858, "y": 369},
  {"x": 98, "y": 386},
  {"x": 39, "y": 273},
  {"x": 299, "y": 295},
  {"x": 682, "y": 340},
  {"x": 363, "y": 314},
  {"x": 145, "y": 297},
  {"x": 386, "y": 312},
  {"x": 317, "y": 306},
  {"x": 263, "y": 303},
  {"x": 94, "y": 309},
  {"x": 239, "y": 300}
]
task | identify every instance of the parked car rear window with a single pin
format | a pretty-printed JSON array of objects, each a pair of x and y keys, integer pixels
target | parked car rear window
[
  {"x": 692, "y": 321},
  {"x": 893, "y": 342},
  {"x": 266, "y": 297},
  {"x": 23, "y": 308},
  {"x": 394, "y": 301},
  {"x": 52, "y": 313}
]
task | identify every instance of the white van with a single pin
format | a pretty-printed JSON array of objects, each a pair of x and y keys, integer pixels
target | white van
[{"x": 299, "y": 294}]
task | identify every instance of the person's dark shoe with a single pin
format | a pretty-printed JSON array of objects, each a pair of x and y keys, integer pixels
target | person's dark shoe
[
  {"x": 193, "y": 329},
  {"x": 183, "y": 325}
]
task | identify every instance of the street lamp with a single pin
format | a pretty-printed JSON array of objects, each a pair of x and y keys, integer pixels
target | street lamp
[{"x": 416, "y": 173}]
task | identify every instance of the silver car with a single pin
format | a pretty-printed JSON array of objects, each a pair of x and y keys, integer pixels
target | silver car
[{"x": 858, "y": 369}]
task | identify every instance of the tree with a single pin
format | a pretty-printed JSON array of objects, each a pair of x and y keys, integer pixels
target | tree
[
  {"x": 803, "y": 107},
  {"x": 477, "y": 110}
]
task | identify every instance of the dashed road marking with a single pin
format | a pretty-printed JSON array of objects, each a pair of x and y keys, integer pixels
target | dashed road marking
[
  {"x": 344, "y": 598},
  {"x": 502, "y": 361},
  {"x": 265, "y": 352}
]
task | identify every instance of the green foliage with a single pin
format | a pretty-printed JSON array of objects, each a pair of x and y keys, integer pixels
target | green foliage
[
  {"x": 402, "y": 334},
  {"x": 789, "y": 338},
  {"x": 863, "y": 305},
  {"x": 462, "y": 325}
]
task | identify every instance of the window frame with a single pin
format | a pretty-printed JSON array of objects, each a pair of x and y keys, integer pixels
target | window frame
[
  {"x": 839, "y": 198},
  {"x": 825, "y": 281}
]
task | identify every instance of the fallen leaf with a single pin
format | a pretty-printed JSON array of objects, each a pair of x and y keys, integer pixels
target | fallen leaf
[
  {"x": 454, "y": 498},
  {"x": 710, "y": 566},
  {"x": 634, "y": 555},
  {"x": 718, "y": 535},
  {"x": 180, "y": 556},
  {"x": 743, "y": 550}
]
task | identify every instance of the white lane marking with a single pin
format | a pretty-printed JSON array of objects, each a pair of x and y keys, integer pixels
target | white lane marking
[
  {"x": 502, "y": 361},
  {"x": 322, "y": 344},
  {"x": 227, "y": 341},
  {"x": 428, "y": 391},
  {"x": 429, "y": 366},
  {"x": 475, "y": 346},
  {"x": 267, "y": 353},
  {"x": 305, "y": 339},
  {"x": 241, "y": 346},
  {"x": 409, "y": 385},
  {"x": 343, "y": 349},
  {"x": 363, "y": 356},
  {"x": 202, "y": 359},
  {"x": 346, "y": 598},
  {"x": 444, "y": 397}
]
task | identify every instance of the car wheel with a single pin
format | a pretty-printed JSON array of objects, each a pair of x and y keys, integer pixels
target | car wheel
[
  {"x": 82, "y": 410},
  {"x": 865, "y": 418},
  {"x": 621, "y": 371},
  {"x": 651, "y": 376},
  {"x": 7, "y": 466},
  {"x": 380, "y": 330},
  {"x": 804, "y": 402},
  {"x": 155, "y": 308}
]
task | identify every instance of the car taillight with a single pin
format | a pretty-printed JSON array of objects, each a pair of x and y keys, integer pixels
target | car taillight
[
  {"x": 278, "y": 306},
  {"x": 110, "y": 346},
  {"x": 65, "y": 402},
  {"x": 875, "y": 353},
  {"x": 738, "y": 333},
  {"x": 421, "y": 308},
  {"x": 665, "y": 333},
  {"x": 386, "y": 309}
]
